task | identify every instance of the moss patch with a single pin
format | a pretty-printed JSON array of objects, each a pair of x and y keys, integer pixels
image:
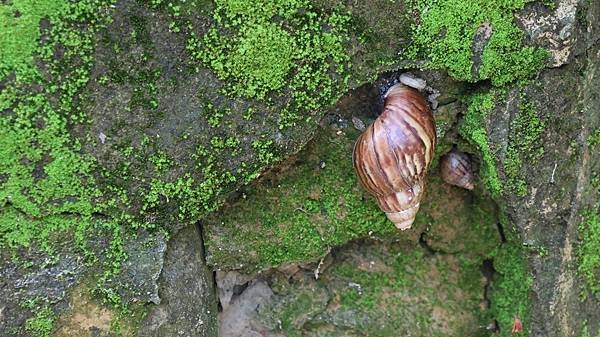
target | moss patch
[
  {"x": 523, "y": 144},
  {"x": 261, "y": 61},
  {"x": 594, "y": 138},
  {"x": 266, "y": 50},
  {"x": 473, "y": 129},
  {"x": 585, "y": 332},
  {"x": 297, "y": 215},
  {"x": 458, "y": 222},
  {"x": 510, "y": 291},
  {"x": 42, "y": 323},
  {"x": 20, "y": 33},
  {"x": 526, "y": 130},
  {"x": 447, "y": 29},
  {"x": 589, "y": 260},
  {"x": 511, "y": 286},
  {"x": 408, "y": 290},
  {"x": 376, "y": 289},
  {"x": 47, "y": 186}
]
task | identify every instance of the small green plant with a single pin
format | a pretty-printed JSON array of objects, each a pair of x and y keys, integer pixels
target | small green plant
[
  {"x": 585, "y": 332},
  {"x": 42, "y": 323},
  {"x": 474, "y": 131},
  {"x": 447, "y": 29},
  {"x": 264, "y": 151},
  {"x": 594, "y": 138},
  {"x": 524, "y": 144},
  {"x": 589, "y": 260},
  {"x": 277, "y": 48},
  {"x": 510, "y": 291}
]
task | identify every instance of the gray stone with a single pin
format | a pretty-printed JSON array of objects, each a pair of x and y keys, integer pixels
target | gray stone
[
  {"x": 188, "y": 306},
  {"x": 140, "y": 272},
  {"x": 229, "y": 285},
  {"x": 239, "y": 319},
  {"x": 553, "y": 29},
  {"x": 45, "y": 281}
]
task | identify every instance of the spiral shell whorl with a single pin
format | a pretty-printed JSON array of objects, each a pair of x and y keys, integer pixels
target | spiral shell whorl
[
  {"x": 404, "y": 219},
  {"x": 456, "y": 169},
  {"x": 402, "y": 207},
  {"x": 393, "y": 155}
]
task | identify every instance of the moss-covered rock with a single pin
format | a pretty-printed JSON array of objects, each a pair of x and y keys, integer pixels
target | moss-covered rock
[
  {"x": 122, "y": 119},
  {"x": 122, "y": 122},
  {"x": 382, "y": 290},
  {"x": 313, "y": 202},
  {"x": 537, "y": 137}
]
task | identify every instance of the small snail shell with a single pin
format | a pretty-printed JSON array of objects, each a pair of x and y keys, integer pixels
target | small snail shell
[
  {"x": 393, "y": 155},
  {"x": 456, "y": 169}
]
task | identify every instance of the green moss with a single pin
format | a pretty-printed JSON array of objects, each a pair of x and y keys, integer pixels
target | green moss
[
  {"x": 48, "y": 186},
  {"x": 447, "y": 29},
  {"x": 523, "y": 141},
  {"x": 456, "y": 225},
  {"x": 261, "y": 61},
  {"x": 512, "y": 169},
  {"x": 594, "y": 138},
  {"x": 510, "y": 291},
  {"x": 296, "y": 311},
  {"x": 473, "y": 129},
  {"x": 42, "y": 323},
  {"x": 145, "y": 89},
  {"x": 373, "y": 284},
  {"x": 589, "y": 260},
  {"x": 383, "y": 290},
  {"x": 20, "y": 33},
  {"x": 272, "y": 49},
  {"x": 263, "y": 149},
  {"x": 595, "y": 182},
  {"x": 523, "y": 144},
  {"x": 161, "y": 161},
  {"x": 585, "y": 332},
  {"x": 238, "y": 10},
  {"x": 318, "y": 202}
]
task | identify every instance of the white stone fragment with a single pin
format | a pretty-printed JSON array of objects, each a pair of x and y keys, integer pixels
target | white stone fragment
[{"x": 358, "y": 123}]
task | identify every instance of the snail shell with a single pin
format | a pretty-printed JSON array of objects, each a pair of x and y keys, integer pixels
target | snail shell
[
  {"x": 393, "y": 155},
  {"x": 457, "y": 170}
]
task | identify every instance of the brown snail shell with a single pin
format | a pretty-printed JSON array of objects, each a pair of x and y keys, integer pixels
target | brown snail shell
[
  {"x": 456, "y": 169},
  {"x": 392, "y": 156}
]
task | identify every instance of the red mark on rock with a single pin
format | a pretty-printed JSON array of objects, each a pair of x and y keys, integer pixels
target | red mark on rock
[{"x": 517, "y": 326}]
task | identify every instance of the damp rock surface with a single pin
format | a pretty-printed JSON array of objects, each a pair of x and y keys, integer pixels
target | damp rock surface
[
  {"x": 126, "y": 124},
  {"x": 374, "y": 288},
  {"x": 188, "y": 306}
]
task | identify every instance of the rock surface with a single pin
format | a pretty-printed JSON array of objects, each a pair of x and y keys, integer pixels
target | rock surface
[
  {"x": 238, "y": 319},
  {"x": 304, "y": 250},
  {"x": 369, "y": 288},
  {"x": 558, "y": 183},
  {"x": 164, "y": 140},
  {"x": 188, "y": 305},
  {"x": 48, "y": 280}
]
